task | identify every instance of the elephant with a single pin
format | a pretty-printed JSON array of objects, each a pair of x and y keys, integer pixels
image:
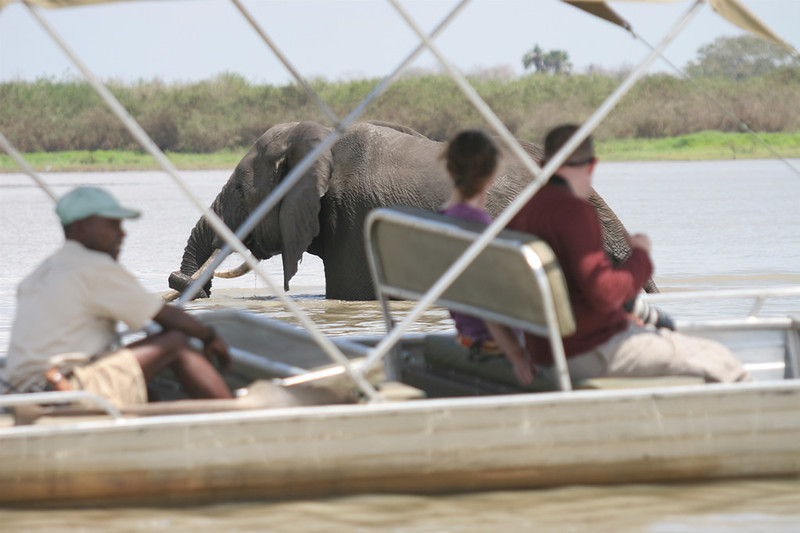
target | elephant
[{"x": 374, "y": 164}]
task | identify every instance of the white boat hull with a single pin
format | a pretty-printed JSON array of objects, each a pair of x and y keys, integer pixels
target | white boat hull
[{"x": 530, "y": 440}]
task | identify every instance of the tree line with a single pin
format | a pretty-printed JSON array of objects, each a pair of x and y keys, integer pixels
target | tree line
[
  {"x": 728, "y": 57},
  {"x": 228, "y": 112}
]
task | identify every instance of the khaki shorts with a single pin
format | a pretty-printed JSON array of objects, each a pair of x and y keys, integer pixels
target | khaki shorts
[{"x": 116, "y": 376}]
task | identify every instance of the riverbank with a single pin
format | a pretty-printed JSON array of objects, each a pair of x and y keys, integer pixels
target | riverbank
[
  {"x": 708, "y": 145},
  {"x": 119, "y": 160}
]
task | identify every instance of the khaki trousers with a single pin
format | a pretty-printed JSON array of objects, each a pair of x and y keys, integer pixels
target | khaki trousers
[{"x": 649, "y": 352}]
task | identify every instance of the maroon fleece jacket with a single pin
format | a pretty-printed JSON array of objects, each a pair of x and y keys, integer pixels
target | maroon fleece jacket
[{"x": 597, "y": 289}]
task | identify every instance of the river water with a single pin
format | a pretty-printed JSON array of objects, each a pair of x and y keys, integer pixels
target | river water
[{"x": 722, "y": 224}]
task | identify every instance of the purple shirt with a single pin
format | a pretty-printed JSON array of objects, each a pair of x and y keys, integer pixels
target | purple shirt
[{"x": 469, "y": 326}]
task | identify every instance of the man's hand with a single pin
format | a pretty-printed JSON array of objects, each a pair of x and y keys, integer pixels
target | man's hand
[
  {"x": 215, "y": 347},
  {"x": 636, "y": 319},
  {"x": 173, "y": 317},
  {"x": 640, "y": 240}
]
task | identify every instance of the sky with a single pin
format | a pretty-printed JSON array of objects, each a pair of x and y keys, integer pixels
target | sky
[{"x": 184, "y": 41}]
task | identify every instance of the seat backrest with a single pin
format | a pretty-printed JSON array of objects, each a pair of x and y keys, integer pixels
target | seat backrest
[{"x": 513, "y": 281}]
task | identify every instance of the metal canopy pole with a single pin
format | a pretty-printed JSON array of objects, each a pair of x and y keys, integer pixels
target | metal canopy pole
[
  {"x": 269, "y": 203},
  {"x": 216, "y": 223},
  {"x": 283, "y": 59},
  {"x": 468, "y": 255},
  {"x": 296, "y": 173},
  {"x": 16, "y": 156},
  {"x": 740, "y": 124},
  {"x": 495, "y": 227}
]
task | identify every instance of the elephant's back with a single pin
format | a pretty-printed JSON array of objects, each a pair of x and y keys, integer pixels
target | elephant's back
[
  {"x": 512, "y": 176},
  {"x": 387, "y": 166}
]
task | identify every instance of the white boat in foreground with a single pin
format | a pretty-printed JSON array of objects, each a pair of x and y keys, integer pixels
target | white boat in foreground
[
  {"x": 626, "y": 430},
  {"x": 264, "y": 444},
  {"x": 530, "y": 440}
]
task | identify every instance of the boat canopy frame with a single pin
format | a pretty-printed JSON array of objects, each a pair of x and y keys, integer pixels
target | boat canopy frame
[{"x": 733, "y": 10}]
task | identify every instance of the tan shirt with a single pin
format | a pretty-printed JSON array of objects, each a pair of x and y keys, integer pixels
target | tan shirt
[{"x": 68, "y": 309}]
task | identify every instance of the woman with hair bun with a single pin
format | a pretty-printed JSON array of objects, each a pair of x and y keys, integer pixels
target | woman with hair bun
[{"x": 472, "y": 158}]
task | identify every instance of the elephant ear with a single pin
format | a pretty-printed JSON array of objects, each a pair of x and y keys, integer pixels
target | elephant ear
[{"x": 299, "y": 210}]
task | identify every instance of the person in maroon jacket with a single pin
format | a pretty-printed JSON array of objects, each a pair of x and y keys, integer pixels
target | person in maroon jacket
[{"x": 608, "y": 340}]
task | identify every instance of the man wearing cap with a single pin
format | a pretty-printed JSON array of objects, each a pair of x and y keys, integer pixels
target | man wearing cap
[
  {"x": 64, "y": 333},
  {"x": 607, "y": 342}
]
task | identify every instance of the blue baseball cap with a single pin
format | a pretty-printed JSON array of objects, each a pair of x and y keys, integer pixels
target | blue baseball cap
[{"x": 83, "y": 202}]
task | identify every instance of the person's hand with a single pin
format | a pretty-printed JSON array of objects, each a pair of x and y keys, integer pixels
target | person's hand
[
  {"x": 523, "y": 368},
  {"x": 216, "y": 348},
  {"x": 640, "y": 240},
  {"x": 636, "y": 319}
]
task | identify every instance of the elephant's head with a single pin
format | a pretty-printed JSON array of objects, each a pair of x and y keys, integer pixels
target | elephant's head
[{"x": 287, "y": 229}]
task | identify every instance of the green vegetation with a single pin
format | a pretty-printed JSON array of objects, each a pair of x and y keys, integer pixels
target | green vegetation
[
  {"x": 96, "y": 160},
  {"x": 740, "y": 57},
  {"x": 696, "y": 146},
  {"x": 63, "y": 125},
  {"x": 703, "y": 145}
]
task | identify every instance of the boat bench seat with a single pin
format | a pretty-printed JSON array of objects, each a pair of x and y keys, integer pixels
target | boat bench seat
[
  {"x": 491, "y": 374},
  {"x": 481, "y": 373},
  {"x": 516, "y": 280}
]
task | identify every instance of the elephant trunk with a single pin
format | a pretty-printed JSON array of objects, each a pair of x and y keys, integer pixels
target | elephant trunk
[
  {"x": 198, "y": 251},
  {"x": 615, "y": 236},
  {"x": 200, "y": 246}
]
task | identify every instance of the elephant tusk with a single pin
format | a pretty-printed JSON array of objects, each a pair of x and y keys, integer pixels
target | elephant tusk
[
  {"x": 241, "y": 270},
  {"x": 170, "y": 295}
]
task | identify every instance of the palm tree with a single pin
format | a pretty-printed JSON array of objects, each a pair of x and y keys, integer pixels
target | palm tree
[
  {"x": 554, "y": 61},
  {"x": 557, "y": 62},
  {"x": 534, "y": 58}
]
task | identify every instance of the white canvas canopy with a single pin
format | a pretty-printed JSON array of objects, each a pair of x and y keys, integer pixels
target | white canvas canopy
[{"x": 732, "y": 10}]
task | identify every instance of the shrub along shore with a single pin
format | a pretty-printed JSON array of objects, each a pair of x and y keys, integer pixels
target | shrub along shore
[
  {"x": 63, "y": 125},
  {"x": 697, "y": 146}
]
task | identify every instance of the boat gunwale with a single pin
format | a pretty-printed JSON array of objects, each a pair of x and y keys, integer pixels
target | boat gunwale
[{"x": 433, "y": 405}]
